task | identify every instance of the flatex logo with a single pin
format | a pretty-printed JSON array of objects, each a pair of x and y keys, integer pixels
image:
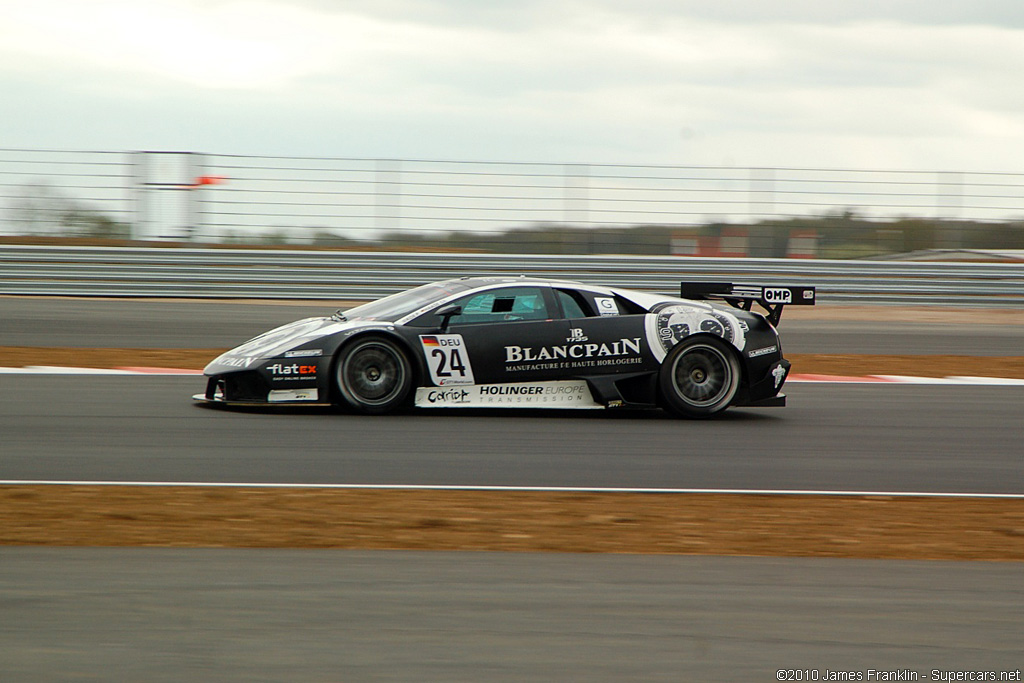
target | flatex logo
[
  {"x": 576, "y": 335},
  {"x": 280, "y": 369}
]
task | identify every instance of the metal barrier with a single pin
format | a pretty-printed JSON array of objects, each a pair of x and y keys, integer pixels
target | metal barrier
[
  {"x": 505, "y": 207},
  {"x": 273, "y": 274}
]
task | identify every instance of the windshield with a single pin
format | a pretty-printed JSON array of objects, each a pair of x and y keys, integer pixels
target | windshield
[{"x": 396, "y": 306}]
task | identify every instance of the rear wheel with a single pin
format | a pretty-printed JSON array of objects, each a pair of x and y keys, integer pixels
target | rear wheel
[
  {"x": 700, "y": 377},
  {"x": 372, "y": 375}
]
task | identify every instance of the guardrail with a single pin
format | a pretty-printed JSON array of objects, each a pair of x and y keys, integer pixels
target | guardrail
[
  {"x": 504, "y": 207},
  {"x": 266, "y": 274}
]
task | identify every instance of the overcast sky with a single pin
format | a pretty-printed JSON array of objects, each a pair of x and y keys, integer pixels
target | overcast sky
[{"x": 873, "y": 84}]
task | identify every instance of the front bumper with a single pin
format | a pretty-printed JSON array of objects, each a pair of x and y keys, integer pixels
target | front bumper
[
  {"x": 253, "y": 389},
  {"x": 237, "y": 387}
]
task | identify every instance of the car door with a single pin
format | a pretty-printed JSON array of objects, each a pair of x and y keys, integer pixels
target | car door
[
  {"x": 609, "y": 330},
  {"x": 509, "y": 334}
]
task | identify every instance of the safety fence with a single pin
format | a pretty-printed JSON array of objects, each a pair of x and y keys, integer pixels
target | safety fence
[
  {"x": 341, "y": 275},
  {"x": 506, "y": 207}
]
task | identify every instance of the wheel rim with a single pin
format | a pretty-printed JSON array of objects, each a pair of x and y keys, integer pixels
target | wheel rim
[
  {"x": 373, "y": 374},
  {"x": 702, "y": 376}
]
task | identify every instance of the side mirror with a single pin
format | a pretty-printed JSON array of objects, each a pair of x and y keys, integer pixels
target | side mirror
[{"x": 446, "y": 313}]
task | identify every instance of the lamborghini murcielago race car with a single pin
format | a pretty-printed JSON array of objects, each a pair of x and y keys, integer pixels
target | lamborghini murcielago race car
[{"x": 494, "y": 342}]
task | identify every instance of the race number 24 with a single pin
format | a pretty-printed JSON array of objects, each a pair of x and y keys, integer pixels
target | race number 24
[{"x": 447, "y": 359}]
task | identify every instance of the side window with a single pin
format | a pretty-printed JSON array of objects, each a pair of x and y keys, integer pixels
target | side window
[
  {"x": 508, "y": 304},
  {"x": 614, "y": 305},
  {"x": 627, "y": 307},
  {"x": 587, "y": 304},
  {"x": 574, "y": 305}
]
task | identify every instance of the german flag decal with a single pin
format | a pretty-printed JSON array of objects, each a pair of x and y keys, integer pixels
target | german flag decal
[{"x": 447, "y": 359}]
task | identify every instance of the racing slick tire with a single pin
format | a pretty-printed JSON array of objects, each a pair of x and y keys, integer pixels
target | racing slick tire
[
  {"x": 372, "y": 375},
  {"x": 699, "y": 378}
]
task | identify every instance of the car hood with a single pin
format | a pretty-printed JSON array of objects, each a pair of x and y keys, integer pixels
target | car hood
[{"x": 278, "y": 341}]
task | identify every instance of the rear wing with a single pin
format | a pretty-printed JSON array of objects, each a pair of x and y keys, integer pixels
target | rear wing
[{"x": 772, "y": 299}]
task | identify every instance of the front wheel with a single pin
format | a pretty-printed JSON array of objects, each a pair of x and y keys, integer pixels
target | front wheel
[
  {"x": 372, "y": 375},
  {"x": 699, "y": 378}
]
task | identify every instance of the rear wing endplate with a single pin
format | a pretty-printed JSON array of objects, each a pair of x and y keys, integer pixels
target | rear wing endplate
[{"x": 772, "y": 299}]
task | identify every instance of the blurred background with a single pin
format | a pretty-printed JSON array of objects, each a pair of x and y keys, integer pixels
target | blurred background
[
  {"x": 796, "y": 130},
  {"x": 509, "y": 207}
]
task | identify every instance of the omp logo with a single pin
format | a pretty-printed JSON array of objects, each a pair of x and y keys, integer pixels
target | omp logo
[{"x": 778, "y": 295}]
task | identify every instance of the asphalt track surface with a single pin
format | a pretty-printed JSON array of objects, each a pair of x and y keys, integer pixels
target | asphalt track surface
[
  {"x": 89, "y": 323},
  {"x": 274, "y": 615},
  {"x": 830, "y": 437},
  {"x": 284, "y": 615}
]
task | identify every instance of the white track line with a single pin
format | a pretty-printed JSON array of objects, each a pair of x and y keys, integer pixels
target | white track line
[
  {"x": 795, "y": 378},
  {"x": 54, "y": 370},
  {"x": 61, "y": 370},
  {"x": 903, "y": 379},
  {"x": 541, "y": 489}
]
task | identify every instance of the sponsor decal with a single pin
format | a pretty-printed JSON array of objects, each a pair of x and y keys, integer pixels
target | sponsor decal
[
  {"x": 447, "y": 359},
  {"x": 574, "y": 355},
  {"x": 778, "y": 295},
  {"x": 283, "y": 372},
  {"x": 364, "y": 325},
  {"x": 447, "y": 396},
  {"x": 293, "y": 369},
  {"x": 511, "y": 390},
  {"x": 304, "y": 353},
  {"x": 712, "y": 326},
  {"x": 278, "y": 395},
  {"x": 576, "y": 335},
  {"x": 779, "y": 373},
  {"x": 672, "y": 324},
  {"x": 556, "y": 394},
  {"x": 526, "y": 354},
  {"x": 763, "y": 352},
  {"x": 606, "y": 305},
  {"x": 423, "y": 309},
  {"x": 808, "y": 293}
]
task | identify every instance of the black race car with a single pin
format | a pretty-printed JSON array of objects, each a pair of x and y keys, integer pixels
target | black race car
[{"x": 496, "y": 342}]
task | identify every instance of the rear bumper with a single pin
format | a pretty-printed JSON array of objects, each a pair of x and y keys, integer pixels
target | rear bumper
[{"x": 766, "y": 392}]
